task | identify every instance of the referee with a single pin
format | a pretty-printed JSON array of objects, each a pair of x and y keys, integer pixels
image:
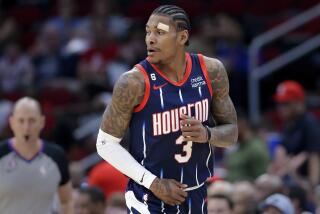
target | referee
[{"x": 31, "y": 170}]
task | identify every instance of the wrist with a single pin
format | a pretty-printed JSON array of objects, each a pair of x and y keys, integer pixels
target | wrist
[
  {"x": 153, "y": 186},
  {"x": 147, "y": 179},
  {"x": 208, "y": 133}
]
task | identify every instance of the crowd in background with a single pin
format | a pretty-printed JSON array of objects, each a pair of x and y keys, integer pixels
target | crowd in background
[{"x": 69, "y": 53}]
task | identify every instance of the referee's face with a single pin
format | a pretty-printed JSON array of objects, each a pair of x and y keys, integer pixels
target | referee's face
[{"x": 26, "y": 123}]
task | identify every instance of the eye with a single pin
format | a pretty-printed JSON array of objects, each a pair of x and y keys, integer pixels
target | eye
[
  {"x": 161, "y": 32},
  {"x": 148, "y": 32}
]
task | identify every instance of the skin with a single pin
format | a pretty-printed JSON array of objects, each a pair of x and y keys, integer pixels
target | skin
[
  {"x": 84, "y": 205},
  {"x": 167, "y": 51},
  {"x": 26, "y": 123},
  {"x": 218, "y": 206}
]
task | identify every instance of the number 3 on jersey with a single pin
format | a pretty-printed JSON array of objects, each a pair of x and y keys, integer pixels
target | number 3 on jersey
[{"x": 186, "y": 148}]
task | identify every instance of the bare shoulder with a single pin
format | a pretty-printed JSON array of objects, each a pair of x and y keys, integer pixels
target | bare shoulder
[
  {"x": 130, "y": 85},
  {"x": 128, "y": 93},
  {"x": 218, "y": 77}
]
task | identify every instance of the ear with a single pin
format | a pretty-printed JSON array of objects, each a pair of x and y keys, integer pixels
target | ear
[{"x": 183, "y": 37}]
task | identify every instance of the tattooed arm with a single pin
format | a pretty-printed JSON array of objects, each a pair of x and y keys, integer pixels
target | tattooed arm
[
  {"x": 128, "y": 93},
  {"x": 226, "y": 131}
]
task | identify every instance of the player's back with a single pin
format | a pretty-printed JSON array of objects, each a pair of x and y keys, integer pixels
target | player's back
[{"x": 155, "y": 136}]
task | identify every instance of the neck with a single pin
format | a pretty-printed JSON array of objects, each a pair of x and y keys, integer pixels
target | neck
[
  {"x": 175, "y": 69},
  {"x": 26, "y": 149}
]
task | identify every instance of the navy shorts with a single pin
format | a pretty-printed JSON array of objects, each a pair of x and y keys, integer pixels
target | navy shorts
[{"x": 140, "y": 200}]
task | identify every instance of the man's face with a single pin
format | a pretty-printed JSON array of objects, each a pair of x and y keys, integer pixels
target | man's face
[
  {"x": 162, "y": 38},
  {"x": 271, "y": 210},
  {"x": 286, "y": 110},
  {"x": 83, "y": 205},
  {"x": 218, "y": 206},
  {"x": 26, "y": 123}
]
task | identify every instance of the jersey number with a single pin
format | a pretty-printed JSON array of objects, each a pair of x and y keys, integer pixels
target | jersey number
[{"x": 186, "y": 148}]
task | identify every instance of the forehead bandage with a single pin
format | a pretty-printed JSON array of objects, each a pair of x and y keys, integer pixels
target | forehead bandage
[{"x": 163, "y": 27}]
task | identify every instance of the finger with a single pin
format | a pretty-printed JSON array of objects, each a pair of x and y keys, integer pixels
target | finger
[
  {"x": 191, "y": 128},
  {"x": 193, "y": 139},
  {"x": 178, "y": 197},
  {"x": 190, "y": 134},
  {"x": 184, "y": 116},
  {"x": 190, "y": 122},
  {"x": 180, "y": 185}
]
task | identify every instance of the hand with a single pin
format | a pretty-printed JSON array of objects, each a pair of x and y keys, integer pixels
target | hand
[
  {"x": 193, "y": 130},
  {"x": 169, "y": 191}
]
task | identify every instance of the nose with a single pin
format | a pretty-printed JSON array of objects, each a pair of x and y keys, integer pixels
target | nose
[{"x": 151, "y": 39}]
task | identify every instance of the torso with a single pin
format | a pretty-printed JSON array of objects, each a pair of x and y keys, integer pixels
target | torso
[
  {"x": 155, "y": 136},
  {"x": 28, "y": 186}
]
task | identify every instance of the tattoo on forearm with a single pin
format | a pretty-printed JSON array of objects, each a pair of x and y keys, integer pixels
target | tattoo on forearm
[{"x": 222, "y": 107}]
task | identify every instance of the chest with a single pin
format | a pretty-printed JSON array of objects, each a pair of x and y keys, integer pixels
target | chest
[{"x": 19, "y": 177}]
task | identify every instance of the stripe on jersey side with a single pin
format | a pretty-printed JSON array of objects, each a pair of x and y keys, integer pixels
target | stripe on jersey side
[
  {"x": 205, "y": 72},
  {"x": 209, "y": 159},
  {"x": 186, "y": 75},
  {"x": 200, "y": 91},
  {"x": 202, "y": 207},
  {"x": 133, "y": 202},
  {"x": 161, "y": 98},
  {"x": 147, "y": 88},
  {"x": 144, "y": 142},
  {"x": 180, "y": 95}
]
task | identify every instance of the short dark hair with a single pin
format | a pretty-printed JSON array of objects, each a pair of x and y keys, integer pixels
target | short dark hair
[
  {"x": 222, "y": 196},
  {"x": 96, "y": 195},
  {"x": 178, "y": 15}
]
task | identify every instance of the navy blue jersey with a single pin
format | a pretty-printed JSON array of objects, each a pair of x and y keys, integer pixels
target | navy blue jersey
[{"x": 155, "y": 136}]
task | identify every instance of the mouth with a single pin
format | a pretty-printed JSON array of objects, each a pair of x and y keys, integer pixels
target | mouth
[{"x": 151, "y": 51}]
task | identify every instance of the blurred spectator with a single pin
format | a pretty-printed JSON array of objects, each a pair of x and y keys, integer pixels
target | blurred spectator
[
  {"x": 107, "y": 178},
  {"x": 46, "y": 54},
  {"x": 92, "y": 68},
  {"x": 299, "y": 199},
  {"x": 32, "y": 170},
  {"x": 231, "y": 50},
  {"x": 203, "y": 42},
  {"x": 219, "y": 204},
  {"x": 105, "y": 12},
  {"x": 65, "y": 21},
  {"x": 220, "y": 187},
  {"x": 116, "y": 204},
  {"x": 9, "y": 31},
  {"x": 298, "y": 154},
  {"x": 250, "y": 158},
  {"x": 89, "y": 200},
  {"x": 267, "y": 185},
  {"x": 243, "y": 198},
  {"x": 16, "y": 70},
  {"x": 277, "y": 204}
]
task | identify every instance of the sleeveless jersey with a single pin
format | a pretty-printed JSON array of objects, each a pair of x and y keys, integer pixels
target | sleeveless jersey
[{"x": 155, "y": 135}]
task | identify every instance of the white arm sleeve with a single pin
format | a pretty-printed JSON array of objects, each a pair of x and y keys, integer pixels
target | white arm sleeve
[{"x": 109, "y": 149}]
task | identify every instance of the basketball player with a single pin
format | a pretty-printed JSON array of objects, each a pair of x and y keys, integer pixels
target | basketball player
[
  {"x": 167, "y": 101},
  {"x": 32, "y": 171}
]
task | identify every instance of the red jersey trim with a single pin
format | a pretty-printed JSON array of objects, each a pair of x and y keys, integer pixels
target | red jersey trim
[
  {"x": 147, "y": 90},
  {"x": 186, "y": 75},
  {"x": 205, "y": 72}
]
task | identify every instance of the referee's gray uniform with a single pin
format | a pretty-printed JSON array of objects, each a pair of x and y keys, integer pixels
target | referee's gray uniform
[{"x": 28, "y": 186}]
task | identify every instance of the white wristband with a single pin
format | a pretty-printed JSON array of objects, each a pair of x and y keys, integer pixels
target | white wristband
[{"x": 109, "y": 149}]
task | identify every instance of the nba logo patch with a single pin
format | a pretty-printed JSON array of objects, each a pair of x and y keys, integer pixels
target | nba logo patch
[
  {"x": 145, "y": 198},
  {"x": 11, "y": 165}
]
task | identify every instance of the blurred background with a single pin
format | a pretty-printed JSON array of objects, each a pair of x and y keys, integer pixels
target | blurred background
[{"x": 69, "y": 53}]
